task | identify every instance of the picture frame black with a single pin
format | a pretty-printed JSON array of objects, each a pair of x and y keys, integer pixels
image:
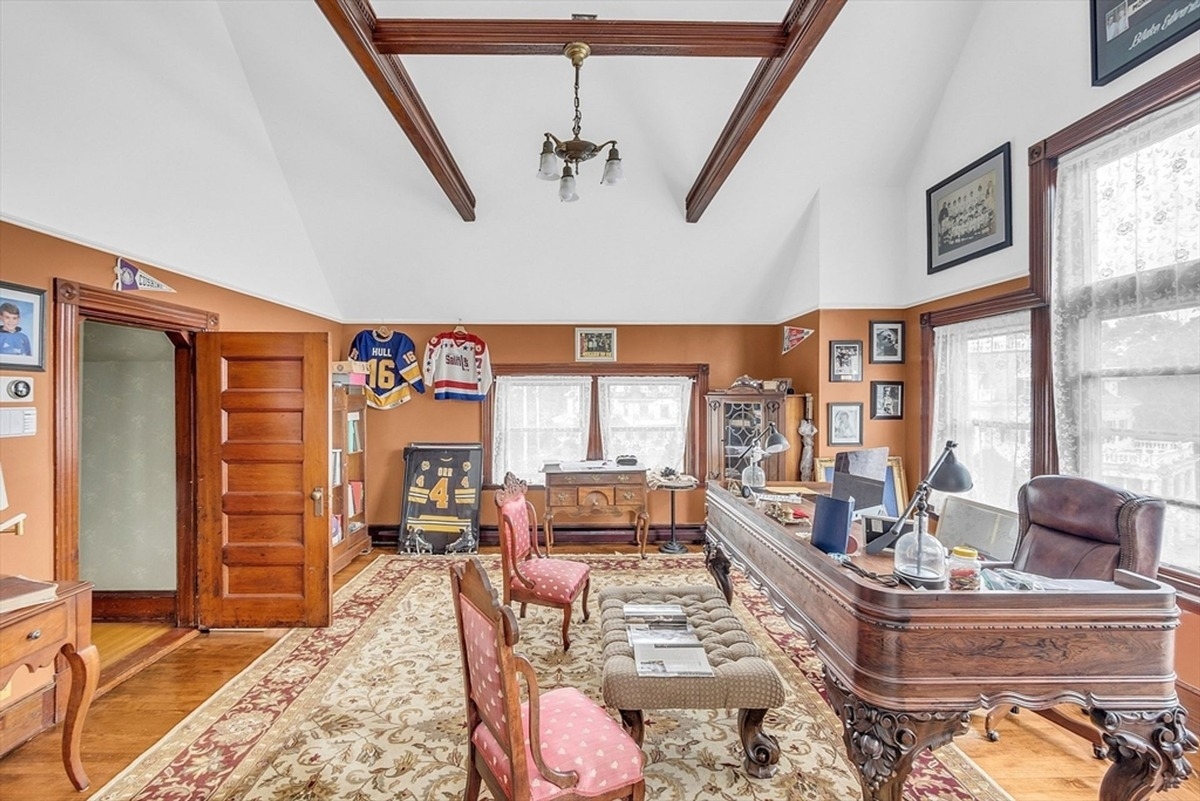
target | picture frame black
[
  {"x": 22, "y": 327},
  {"x": 443, "y": 485},
  {"x": 844, "y": 424},
  {"x": 1124, "y": 33},
  {"x": 887, "y": 341},
  {"x": 845, "y": 360},
  {"x": 887, "y": 400},
  {"x": 969, "y": 214}
]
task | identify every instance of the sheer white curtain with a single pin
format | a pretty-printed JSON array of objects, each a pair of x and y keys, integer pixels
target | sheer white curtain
[
  {"x": 646, "y": 416},
  {"x": 1126, "y": 315},
  {"x": 539, "y": 419},
  {"x": 981, "y": 400}
]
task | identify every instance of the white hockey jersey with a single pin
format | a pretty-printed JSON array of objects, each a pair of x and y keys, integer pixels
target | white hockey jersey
[{"x": 458, "y": 367}]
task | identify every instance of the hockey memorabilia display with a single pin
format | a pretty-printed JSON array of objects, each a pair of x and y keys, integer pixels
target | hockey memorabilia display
[
  {"x": 440, "y": 512},
  {"x": 457, "y": 366},
  {"x": 131, "y": 278},
  {"x": 392, "y": 367},
  {"x": 793, "y": 336}
]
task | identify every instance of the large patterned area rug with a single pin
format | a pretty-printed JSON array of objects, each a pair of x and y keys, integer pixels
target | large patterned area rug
[{"x": 371, "y": 707}]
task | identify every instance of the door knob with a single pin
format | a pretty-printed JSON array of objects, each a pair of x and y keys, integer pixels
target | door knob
[{"x": 318, "y": 498}]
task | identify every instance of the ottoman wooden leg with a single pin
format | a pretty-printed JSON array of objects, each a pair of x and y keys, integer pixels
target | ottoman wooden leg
[
  {"x": 632, "y": 718},
  {"x": 762, "y": 749}
]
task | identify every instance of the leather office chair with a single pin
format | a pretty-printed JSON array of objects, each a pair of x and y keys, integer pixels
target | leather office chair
[
  {"x": 1076, "y": 528},
  {"x": 558, "y": 744},
  {"x": 530, "y": 577}
]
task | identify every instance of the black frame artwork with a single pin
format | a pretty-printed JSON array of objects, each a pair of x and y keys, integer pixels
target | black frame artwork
[
  {"x": 1124, "y": 33},
  {"x": 887, "y": 341},
  {"x": 835, "y": 438},
  {"x": 969, "y": 214},
  {"x": 434, "y": 516},
  {"x": 30, "y": 304},
  {"x": 887, "y": 400},
  {"x": 845, "y": 360}
]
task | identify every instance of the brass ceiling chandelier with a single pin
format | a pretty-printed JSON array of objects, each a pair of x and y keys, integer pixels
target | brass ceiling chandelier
[{"x": 575, "y": 150}]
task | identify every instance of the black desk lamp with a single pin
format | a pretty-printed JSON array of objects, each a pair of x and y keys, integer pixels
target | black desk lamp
[
  {"x": 946, "y": 475},
  {"x": 773, "y": 442}
]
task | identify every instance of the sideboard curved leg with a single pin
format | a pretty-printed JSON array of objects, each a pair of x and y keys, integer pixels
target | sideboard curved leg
[
  {"x": 882, "y": 743},
  {"x": 85, "y": 675},
  {"x": 1147, "y": 751}
]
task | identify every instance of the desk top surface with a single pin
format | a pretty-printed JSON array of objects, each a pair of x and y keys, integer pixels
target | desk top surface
[{"x": 606, "y": 466}]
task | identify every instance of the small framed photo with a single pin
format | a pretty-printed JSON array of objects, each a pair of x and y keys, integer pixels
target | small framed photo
[
  {"x": 845, "y": 424},
  {"x": 887, "y": 342},
  {"x": 970, "y": 213},
  {"x": 845, "y": 360},
  {"x": 887, "y": 400},
  {"x": 595, "y": 344},
  {"x": 22, "y": 321},
  {"x": 1127, "y": 32}
]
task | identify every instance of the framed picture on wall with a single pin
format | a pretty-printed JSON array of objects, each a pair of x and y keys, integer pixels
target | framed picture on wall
[
  {"x": 22, "y": 321},
  {"x": 887, "y": 400},
  {"x": 595, "y": 344},
  {"x": 845, "y": 424},
  {"x": 887, "y": 341},
  {"x": 845, "y": 360},
  {"x": 970, "y": 213},
  {"x": 1127, "y": 32}
]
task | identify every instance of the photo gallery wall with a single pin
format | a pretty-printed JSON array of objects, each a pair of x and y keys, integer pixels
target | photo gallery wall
[{"x": 885, "y": 344}]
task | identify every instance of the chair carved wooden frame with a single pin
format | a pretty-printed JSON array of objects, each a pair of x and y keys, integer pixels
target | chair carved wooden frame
[
  {"x": 531, "y": 577},
  {"x": 542, "y": 734}
]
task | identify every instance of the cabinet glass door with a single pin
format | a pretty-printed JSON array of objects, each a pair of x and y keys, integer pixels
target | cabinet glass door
[{"x": 743, "y": 421}]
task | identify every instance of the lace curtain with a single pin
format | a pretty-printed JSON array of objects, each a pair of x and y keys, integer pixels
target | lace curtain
[
  {"x": 646, "y": 417},
  {"x": 539, "y": 418},
  {"x": 981, "y": 400},
  {"x": 1126, "y": 315}
]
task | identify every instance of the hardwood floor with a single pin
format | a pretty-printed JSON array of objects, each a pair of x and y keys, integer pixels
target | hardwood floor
[{"x": 1034, "y": 760}]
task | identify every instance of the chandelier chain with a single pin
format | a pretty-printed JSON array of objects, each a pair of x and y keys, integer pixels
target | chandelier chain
[{"x": 578, "y": 114}]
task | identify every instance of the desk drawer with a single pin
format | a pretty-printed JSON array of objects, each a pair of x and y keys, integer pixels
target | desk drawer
[
  {"x": 630, "y": 496},
  {"x": 595, "y": 497},
  {"x": 46, "y": 628}
]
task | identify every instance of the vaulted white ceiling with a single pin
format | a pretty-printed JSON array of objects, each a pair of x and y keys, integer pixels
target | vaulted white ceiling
[{"x": 238, "y": 142}]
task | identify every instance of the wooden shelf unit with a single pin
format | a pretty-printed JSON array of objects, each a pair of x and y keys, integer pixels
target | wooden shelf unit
[
  {"x": 736, "y": 416},
  {"x": 348, "y": 534}
]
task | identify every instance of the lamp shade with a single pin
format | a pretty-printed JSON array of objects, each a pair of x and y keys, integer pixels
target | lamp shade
[
  {"x": 614, "y": 173},
  {"x": 951, "y": 476},
  {"x": 566, "y": 187},
  {"x": 776, "y": 442}
]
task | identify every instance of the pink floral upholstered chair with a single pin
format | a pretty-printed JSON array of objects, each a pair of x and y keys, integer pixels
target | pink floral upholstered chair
[
  {"x": 530, "y": 577},
  {"x": 557, "y": 746}
]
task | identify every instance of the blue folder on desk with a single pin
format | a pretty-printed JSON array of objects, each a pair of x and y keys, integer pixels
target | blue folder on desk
[{"x": 831, "y": 523}]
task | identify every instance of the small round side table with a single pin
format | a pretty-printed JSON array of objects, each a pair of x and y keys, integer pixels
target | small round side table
[{"x": 674, "y": 545}]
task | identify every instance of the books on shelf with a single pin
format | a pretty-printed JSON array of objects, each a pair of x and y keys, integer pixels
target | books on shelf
[
  {"x": 335, "y": 467},
  {"x": 353, "y": 433},
  {"x": 335, "y": 528},
  {"x": 18, "y": 592},
  {"x": 663, "y": 642},
  {"x": 354, "y": 499}
]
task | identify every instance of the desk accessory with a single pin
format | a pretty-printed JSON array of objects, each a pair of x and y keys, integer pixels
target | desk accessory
[
  {"x": 773, "y": 442},
  {"x": 831, "y": 523}
]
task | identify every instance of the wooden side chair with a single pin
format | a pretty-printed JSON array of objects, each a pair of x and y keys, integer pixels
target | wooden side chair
[
  {"x": 1076, "y": 528},
  {"x": 558, "y": 745},
  {"x": 529, "y": 576}
]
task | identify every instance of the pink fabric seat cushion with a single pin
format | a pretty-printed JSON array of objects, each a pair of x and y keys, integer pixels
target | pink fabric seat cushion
[
  {"x": 577, "y": 735},
  {"x": 556, "y": 580}
]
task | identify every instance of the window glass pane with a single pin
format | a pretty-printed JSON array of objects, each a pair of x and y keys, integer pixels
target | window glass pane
[
  {"x": 645, "y": 417},
  {"x": 539, "y": 419}
]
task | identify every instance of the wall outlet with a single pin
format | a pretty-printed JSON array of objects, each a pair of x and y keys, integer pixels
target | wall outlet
[{"x": 16, "y": 389}]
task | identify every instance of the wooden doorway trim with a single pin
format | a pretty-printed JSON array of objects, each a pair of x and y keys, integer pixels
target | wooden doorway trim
[{"x": 73, "y": 304}]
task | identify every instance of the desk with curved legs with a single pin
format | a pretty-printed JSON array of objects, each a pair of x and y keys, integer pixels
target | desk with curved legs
[{"x": 904, "y": 669}]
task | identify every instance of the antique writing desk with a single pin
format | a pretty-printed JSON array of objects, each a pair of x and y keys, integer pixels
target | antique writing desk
[
  {"x": 905, "y": 668},
  {"x": 597, "y": 494},
  {"x": 35, "y": 636}
]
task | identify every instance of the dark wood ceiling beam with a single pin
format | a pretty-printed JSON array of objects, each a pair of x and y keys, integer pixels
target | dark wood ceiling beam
[
  {"x": 355, "y": 23},
  {"x": 521, "y": 37},
  {"x": 806, "y": 23}
]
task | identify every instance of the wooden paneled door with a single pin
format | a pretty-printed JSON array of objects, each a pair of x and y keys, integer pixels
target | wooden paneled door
[{"x": 262, "y": 417}]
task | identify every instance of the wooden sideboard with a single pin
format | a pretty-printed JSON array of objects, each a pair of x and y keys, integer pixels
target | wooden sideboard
[
  {"x": 597, "y": 494},
  {"x": 36, "y": 636}
]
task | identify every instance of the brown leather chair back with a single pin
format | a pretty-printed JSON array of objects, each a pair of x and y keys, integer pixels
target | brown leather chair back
[{"x": 1074, "y": 527}]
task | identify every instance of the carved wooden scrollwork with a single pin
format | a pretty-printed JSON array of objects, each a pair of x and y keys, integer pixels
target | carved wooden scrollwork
[
  {"x": 718, "y": 565},
  {"x": 1147, "y": 751}
]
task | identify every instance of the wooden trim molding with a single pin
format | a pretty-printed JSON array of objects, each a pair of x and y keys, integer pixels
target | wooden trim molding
[{"x": 133, "y": 605}]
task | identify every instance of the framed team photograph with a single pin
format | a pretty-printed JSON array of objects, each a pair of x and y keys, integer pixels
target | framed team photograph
[
  {"x": 22, "y": 322},
  {"x": 1127, "y": 32},
  {"x": 887, "y": 400},
  {"x": 887, "y": 341},
  {"x": 845, "y": 360},
  {"x": 845, "y": 424},
  {"x": 595, "y": 344},
  {"x": 969, "y": 214}
]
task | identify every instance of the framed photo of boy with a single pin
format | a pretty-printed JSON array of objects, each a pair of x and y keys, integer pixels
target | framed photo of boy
[
  {"x": 595, "y": 344},
  {"x": 845, "y": 360},
  {"x": 887, "y": 400},
  {"x": 887, "y": 341},
  {"x": 970, "y": 213},
  {"x": 845, "y": 423},
  {"x": 22, "y": 321}
]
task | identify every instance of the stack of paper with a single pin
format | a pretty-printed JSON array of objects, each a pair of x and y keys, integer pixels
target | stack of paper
[{"x": 663, "y": 643}]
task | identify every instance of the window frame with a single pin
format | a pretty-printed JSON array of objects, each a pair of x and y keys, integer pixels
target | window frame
[{"x": 694, "y": 454}]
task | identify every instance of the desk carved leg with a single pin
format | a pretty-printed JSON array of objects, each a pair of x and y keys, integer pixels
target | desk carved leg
[
  {"x": 548, "y": 527},
  {"x": 1147, "y": 751},
  {"x": 762, "y": 749},
  {"x": 718, "y": 565},
  {"x": 643, "y": 531},
  {"x": 882, "y": 743},
  {"x": 85, "y": 674}
]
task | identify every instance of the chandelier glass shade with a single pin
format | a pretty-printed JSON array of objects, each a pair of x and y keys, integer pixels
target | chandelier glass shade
[{"x": 574, "y": 151}]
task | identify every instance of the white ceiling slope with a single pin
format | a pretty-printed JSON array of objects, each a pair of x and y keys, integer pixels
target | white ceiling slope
[{"x": 238, "y": 142}]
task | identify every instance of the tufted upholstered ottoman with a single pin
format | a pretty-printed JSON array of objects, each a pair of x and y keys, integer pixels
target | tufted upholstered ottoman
[{"x": 742, "y": 679}]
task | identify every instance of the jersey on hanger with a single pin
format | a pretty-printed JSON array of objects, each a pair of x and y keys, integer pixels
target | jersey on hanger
[
  {"x": 393, "y": 368},
  {"x": 458, "y": 367}
]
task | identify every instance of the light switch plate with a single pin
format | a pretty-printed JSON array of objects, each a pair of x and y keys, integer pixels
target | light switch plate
[
  {"x": 19, "y": 422},
  {"x": 16, "y": 389}
]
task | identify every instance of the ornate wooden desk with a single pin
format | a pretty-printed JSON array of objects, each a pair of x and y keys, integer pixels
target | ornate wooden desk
[
  {"x": 905, "y": 668},
  {"x": 596, "y": 493}
]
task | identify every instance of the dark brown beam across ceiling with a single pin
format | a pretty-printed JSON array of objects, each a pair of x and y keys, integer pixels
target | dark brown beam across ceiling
[
  {"x": 806, "y": 23},
  {"x": 509, "y": 37},
  {"x": 355, "y": 22}
]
